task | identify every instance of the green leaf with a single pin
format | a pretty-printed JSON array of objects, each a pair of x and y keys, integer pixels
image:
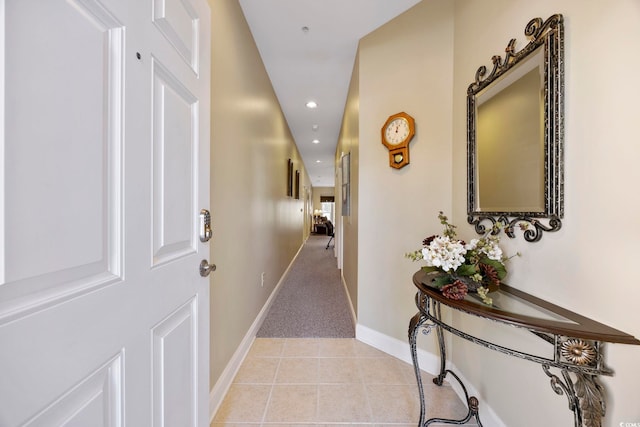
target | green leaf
[
  {"x": 466, "y": 270},
  {"x": 440, "y": 281},
  {"x": 429, "y": 269}
]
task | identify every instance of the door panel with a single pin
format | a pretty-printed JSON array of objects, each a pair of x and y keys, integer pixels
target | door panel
[
  {"x": 175, "y": 113},
  {"x": 179, "y": 23},
  {"x": 61, "y": 147},
  {"x": 174, "y": 403},
  {"x": 104, "y": 141},
  {"x": 96, "y": 401}
]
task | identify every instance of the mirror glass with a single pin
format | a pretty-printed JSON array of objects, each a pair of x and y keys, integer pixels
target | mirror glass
[
  {"x": 515, "y": 127},
  {"x": 506, "y": 182}
]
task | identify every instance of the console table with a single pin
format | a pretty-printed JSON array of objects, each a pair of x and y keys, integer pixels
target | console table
[{"x": 576, "y": 341}]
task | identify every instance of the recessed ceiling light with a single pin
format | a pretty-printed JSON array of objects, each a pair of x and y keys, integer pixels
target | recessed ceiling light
[
  {"x": 316, "y": 141},
  {"x": 312, "y": 104},
  {"x": 315, "y": 127},
  {"x": 318, "y": 161}
]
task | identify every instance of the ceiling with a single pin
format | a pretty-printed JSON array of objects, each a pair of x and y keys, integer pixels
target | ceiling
[{"x": 308, "y": 48}]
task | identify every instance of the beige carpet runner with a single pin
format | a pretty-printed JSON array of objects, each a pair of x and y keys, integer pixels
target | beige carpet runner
[{"x": 311, "y": 302}]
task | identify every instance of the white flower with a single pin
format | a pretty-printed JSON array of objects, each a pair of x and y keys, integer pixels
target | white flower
[
  {"x": 487, "y": 246},
  {"x": 444, "y": 253},
  {"x": 472, "y": 244},
  {"x": 493, "y": 251}
]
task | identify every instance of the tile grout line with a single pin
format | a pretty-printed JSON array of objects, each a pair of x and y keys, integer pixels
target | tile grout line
[
  {"x": 273, "y": 382},
  {"x": 366, "y": 392}
]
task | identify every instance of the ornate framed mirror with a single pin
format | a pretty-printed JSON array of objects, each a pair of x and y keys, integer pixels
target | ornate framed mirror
[{"x": 515, "y": 132}]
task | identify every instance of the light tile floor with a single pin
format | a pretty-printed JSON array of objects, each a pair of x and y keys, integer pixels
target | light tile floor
[{"x": 297, "y": 382}]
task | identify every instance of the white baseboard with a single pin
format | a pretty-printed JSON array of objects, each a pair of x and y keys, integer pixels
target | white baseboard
[
  {"x": 399, "y": 349},
  {"x": 429, "y": 363},
  {"x": 221, "y": 387}
]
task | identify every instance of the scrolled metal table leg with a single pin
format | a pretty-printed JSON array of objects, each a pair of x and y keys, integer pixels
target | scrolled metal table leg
[
  {"x": 585, "y": 396},
  {"x": 472, "y": 402},
  {"x": 472, "y": 406},
  {"x": 416, "y": 322},
  {"x": 441, "y": 346},
  {"x": 592, "y": 400}
]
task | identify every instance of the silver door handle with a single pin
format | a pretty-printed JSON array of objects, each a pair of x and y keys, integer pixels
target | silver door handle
[{"x": 206, "y": 268}]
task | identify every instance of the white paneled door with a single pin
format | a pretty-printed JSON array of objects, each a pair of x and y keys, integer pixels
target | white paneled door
[{"x": 104, "y": 151}]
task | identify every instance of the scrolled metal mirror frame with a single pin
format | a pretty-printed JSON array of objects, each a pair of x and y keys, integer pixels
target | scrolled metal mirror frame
[{"x": 549, "y": 35}]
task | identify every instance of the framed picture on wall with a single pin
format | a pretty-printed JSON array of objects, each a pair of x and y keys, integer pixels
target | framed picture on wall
[
  {"x": 346, "y": 185},
  {"x": 297, "y": 185},
  {"x": 289, "y": 178}
]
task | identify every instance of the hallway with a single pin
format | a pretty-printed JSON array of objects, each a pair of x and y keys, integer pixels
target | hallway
[
  {"x": 312, "y": 301},
  {"x": 303, "y": 381}
]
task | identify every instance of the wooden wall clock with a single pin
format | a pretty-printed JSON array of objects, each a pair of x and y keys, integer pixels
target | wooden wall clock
[{"x": 397, "y": 132}]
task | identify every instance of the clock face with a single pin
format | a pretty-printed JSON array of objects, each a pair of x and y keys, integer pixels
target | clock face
[
  {"x": 397, "y": 131},
  {"x": 396, "y": 134}
]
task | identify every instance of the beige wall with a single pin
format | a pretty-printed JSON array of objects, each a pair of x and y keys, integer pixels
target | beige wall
[
  {"x": 347, "y": 226},
  {"x": 256, "y": 228},
  {"x": 588, "y": 265},
  {"x": 407, "y": 65}
]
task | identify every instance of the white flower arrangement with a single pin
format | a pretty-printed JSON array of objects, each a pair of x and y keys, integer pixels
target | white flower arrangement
[{"x": 474, "y": 266}]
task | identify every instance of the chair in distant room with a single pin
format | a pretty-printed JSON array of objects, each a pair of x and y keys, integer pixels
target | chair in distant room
[{"x": 330, "y": 232}]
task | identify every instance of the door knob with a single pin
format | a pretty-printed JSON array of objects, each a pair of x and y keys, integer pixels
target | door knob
[{"x": 206, "y": 268}]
